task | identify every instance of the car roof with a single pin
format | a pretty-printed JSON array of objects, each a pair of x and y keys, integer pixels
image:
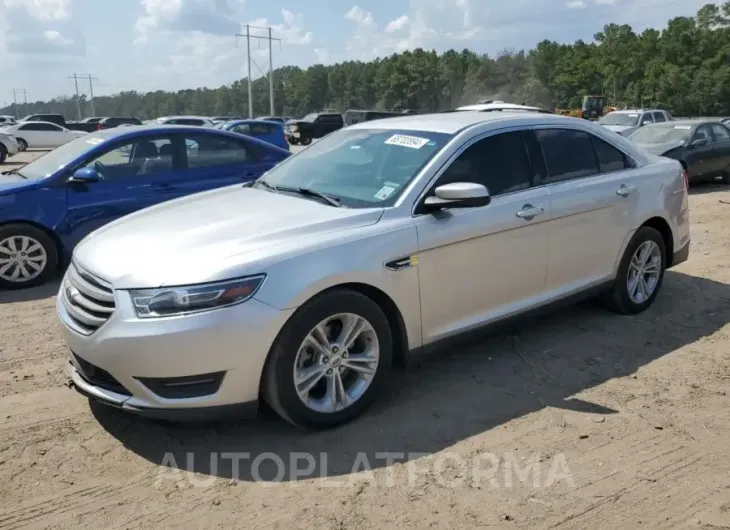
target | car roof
[
  {"x": 497, "y": 106},
  {"x": 38, "y": 121},
  {"x": 254, "y": 120},
  {"x": 453, "y": 122},
  {"x": 634, "y": 111},
  {"x": 184, "y": 117}
]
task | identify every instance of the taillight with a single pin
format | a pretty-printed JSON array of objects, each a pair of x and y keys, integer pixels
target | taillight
[
  {"x": 685, "y": 178},
  {"x": 98, "y": 127}
]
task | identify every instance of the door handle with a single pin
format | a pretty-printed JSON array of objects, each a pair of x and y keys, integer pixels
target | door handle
[
  {"x": 625, "y": 191},
  {"x": 529, "y": 212}
]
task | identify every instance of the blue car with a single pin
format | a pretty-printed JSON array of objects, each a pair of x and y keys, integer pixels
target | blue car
[
  {"x": 48, "y": 206},
  {"x": 264, "y": 130}
]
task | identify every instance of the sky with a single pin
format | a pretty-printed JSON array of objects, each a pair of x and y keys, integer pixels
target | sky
[{"x": 147, "y": 45}]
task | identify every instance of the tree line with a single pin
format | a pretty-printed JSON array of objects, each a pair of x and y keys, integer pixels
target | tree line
[{"x": 684, "y": 68}]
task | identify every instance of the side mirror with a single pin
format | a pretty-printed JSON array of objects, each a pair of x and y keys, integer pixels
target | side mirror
[
  {"x": 85, "y": 175},
  {"x": 458, "y": 195}
]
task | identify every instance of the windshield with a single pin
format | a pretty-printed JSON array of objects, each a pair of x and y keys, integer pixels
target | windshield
[
  {"x": 363, "y": 168},
  {"x": 624, "y": 120},
  {"x": 54, "y": 160},
  {"x": 309, "y": 117},
  {"x": 660, "y": 134}
]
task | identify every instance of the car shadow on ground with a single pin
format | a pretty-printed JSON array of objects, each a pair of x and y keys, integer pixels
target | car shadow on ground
[
  {"x": 32, "y": 294},
  {"x": 447, "y": 398},
  {"x": 700, "y": 188}
]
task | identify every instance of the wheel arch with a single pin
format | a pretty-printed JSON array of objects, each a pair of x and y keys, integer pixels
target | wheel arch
[{"x": 662, "y": 226}]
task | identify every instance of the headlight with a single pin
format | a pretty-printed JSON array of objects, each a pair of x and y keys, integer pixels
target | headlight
[
  {"x": 294, "y": 128},
  {"x": 173, "y": 301}
]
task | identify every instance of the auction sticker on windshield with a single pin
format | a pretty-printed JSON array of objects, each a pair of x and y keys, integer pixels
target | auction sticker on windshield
[
  {"x": 403, "y": 140},
  {"x": 683, "y": 127},
  {"x": 384, "y": 192}
]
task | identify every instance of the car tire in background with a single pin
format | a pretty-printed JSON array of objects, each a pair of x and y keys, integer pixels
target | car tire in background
[
  {"x": 302, "y": 370},
  {"x": 305, "y": 140},
  {"x": 30, "y": 251},
  {"x": 22, "y": 144},
  {"x": 3, "y": 153},
  {"x": 640, "y": 273}
]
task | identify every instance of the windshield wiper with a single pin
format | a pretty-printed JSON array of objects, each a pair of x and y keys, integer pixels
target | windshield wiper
[
  {"x": 329, "y": 199},
  {"x": 15, "y": 172}
]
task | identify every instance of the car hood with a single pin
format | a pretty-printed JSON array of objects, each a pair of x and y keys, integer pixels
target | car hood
[
  {"x": 621, "y": 129},
  {"x": 210, "y": 236},
  {"x": 14, "y": 183},
  {"x": 659, "y": 149}
]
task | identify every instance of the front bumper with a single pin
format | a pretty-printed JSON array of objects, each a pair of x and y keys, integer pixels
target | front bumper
[{"x": 230, "y": 343}]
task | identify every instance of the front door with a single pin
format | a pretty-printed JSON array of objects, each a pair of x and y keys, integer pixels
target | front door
[
  {"x": 132, "y": 175},
  {"x": 700, "y": 157},
  {"x": 479, "y": 264}
]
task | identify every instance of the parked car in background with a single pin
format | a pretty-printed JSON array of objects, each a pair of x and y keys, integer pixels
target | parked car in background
[
  {"x": 267, "y": 131},
  {"x": 726, "y": 121},
  {"x": 197, "y": 121},
  {"x": 51, "y": 117},
  {"x": 304, "y": 288},
  {"x": 86, "y": 125},
  {"x": 278, "y": 119},
  {"x": 41, "y": 134},
  {"x": 499, "y": 106},
  {"x": 312, "y": 126},
  {"x": 625, "y": 122},
  {"x": 703, "y": 147},
  {"x": 6, "y": 120},
  {"x": 116, "y": 121},
  {"x": 49, "y": 205},
  {"x": 8, "y": 145},
  {"x": 358, "y": 116}
]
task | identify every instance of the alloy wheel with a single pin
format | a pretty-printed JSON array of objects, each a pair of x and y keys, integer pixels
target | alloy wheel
[
  {"x": 22, "y": 259},
  {"x": 644, "y": 272}
]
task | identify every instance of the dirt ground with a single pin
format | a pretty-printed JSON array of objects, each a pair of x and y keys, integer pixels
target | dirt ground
[{"x": 580, "y": 420}]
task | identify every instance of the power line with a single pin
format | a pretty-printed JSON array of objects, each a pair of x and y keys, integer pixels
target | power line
[
  {"x": 270, "y": 40},
  {"x": 15, "y": 100}
]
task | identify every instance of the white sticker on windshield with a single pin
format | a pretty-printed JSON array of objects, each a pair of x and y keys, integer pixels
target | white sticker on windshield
[
  {"x": 384, "y": 193},
  {"x": 633, "y": 115},
  {"x": 94, "y": 141},
  {"x": 414, "y": 142},
  {"x": 683, "y": 127}
]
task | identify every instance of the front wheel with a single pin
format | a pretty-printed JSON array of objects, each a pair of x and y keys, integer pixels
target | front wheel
[
  {"x": 28, "y": 256},
  {"x": 306, "y": 140},
  {"x": 640, "y": 274},
  {"x": 22, "y": 144},
  {"x": 330, "y": 360}
]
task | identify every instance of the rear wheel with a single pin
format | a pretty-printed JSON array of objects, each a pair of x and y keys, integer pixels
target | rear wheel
[
  {"x": 22, "y": 144},
  {"x": 330, "y": 360},
  {"x": 640, "y": 274},
  {"x": 306, "y": 140},
  {"x": 28, "y": 256}
]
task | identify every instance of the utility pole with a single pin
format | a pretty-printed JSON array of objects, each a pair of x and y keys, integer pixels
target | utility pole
[
  {"x": 25, "y": 100},
  {"x": 270, "y": 39},
  {"x": 78, "y": 99}
]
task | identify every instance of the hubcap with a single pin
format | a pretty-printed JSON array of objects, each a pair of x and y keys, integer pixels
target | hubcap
[
  {"x": 336, "y": 363},
  {"x": 22, "y": 259},
  {"x": 644, "y": 271}
]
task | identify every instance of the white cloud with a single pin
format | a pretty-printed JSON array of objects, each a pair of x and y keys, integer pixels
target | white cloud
[
  {"x": 575, "y": 4},
  {"x": 41, "y": 27},
  {"x": 214, "y": 17},
  {"x": 398, "y": 24},
  {"x": 43, "y": 10}
]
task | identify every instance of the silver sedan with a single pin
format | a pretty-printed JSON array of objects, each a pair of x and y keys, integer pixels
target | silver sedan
[{"x": 381, "y": 240}]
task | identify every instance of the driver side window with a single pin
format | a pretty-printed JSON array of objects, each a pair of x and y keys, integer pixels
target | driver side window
[
  {"x": 499, "y": 162},
  {"x": 140, "y": 157},
  {"x": 703, "y": 133}
]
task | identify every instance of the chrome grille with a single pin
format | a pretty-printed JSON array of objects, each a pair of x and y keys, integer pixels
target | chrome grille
[{"x": 88, "y": 300}]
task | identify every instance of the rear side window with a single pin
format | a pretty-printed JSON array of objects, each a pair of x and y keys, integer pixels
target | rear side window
[
  {"x": 211, "y": 150},
  {"x": 659, "y": 117},
  {"x": 499, "y": 162},
  {"x": 721, "y": 133},
  {"x": 329, "y": 118},
  {"x": 609, "y": 158},
  {"x": 568, "y": 154}
]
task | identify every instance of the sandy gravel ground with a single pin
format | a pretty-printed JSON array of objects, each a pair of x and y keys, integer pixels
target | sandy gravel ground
[{"x": 580, "y": 420}]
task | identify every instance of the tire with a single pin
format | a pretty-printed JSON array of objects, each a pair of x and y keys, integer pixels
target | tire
[
  {"x": 278, "y": 386},
  {"x": 618, "y": 299},
  {"x": 33, "y": 236},
  {"x": 3, "y": 153},
  {"x": 22, "y": 144},
  {"x": 294, "y": 141},
  {"x": 305, "y": 140}
]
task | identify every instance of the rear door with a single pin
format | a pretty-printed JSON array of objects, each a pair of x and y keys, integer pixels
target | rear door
[
  {"x": 53, "y": 135},
  {"x": 32, "y": 133},
  {"x": 594, "y": 202},
  {"x": 213, "y": 161},
  {"x": 134, "y": 174},
  {"x": 721, "y": 148}
]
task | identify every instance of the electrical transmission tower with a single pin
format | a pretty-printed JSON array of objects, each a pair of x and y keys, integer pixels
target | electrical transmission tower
[
  {"x": 270, "y": 39},
  {"x": 15, "y": 100},
  {"x": 88, "y": 77}
]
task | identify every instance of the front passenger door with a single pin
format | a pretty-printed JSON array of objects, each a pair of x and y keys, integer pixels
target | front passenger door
[
  {"x": 479, "y": 264},
  {"x": 699, "y": 157}
]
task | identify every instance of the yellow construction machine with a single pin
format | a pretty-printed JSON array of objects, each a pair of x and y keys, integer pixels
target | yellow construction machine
[{"x": 592, "y": 109}]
